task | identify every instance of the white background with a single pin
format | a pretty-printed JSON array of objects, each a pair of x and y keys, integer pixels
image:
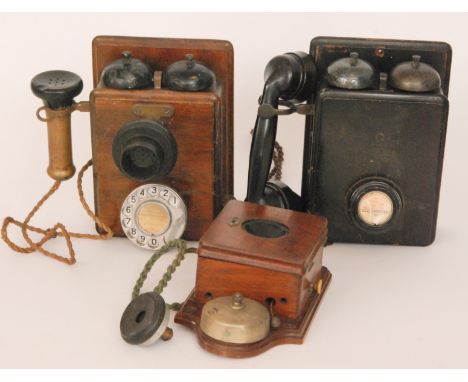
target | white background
[{"x": 386, "y": 306}]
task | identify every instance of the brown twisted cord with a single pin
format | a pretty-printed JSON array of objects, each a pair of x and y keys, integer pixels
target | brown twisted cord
[
  {"x": 57, "y": 230},
  {"x": 278, "y": 159},
  {"x": 181, "y": 245}
]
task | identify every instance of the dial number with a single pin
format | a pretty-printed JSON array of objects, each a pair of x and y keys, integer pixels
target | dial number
[{"x": 165, "y": 194}]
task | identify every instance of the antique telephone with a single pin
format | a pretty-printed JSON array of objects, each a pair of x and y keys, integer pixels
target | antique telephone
[
  {"x": 240, "y": 306},
  {"x": 376, "y": 117},
  {"x": 161, "y": 132}
]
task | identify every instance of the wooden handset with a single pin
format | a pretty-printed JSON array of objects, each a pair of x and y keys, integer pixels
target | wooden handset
[{"x": 57, "y": 88}]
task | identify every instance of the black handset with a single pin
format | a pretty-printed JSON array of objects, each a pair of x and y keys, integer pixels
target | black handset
[{"x": 289, "y": 77}]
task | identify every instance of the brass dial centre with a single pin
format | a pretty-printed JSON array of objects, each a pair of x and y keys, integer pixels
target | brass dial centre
[{"x": 153, "y": 218}]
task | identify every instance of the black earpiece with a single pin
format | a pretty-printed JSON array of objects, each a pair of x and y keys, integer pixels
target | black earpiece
[{"x": 57, "y": 88}]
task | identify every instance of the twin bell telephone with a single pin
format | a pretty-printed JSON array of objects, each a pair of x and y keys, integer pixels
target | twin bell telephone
[
  {"x": 376, "y": 119},
  {"x": 161, "y": 134}
]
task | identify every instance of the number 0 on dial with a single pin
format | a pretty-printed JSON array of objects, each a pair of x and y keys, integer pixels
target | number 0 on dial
[{"x": 152, "y": 215}]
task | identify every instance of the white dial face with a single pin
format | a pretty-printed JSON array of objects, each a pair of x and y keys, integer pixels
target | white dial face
[
  {"x": 375, "y": 208},
  {"x": 153, "y": 215}
]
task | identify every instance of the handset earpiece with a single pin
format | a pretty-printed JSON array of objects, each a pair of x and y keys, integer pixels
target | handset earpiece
[{"x": 290, "y": 76}]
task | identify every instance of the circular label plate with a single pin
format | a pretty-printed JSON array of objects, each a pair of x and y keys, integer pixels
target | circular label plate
[
  {"x": 375, "y": 208},
  {"x": 152, "y": 215}
]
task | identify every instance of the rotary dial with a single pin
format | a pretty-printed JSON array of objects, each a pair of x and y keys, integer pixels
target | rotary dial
[{"x": 152, "y": 215}]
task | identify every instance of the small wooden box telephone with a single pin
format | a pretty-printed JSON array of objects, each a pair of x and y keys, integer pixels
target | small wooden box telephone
[{"x": 259, "y": 280}]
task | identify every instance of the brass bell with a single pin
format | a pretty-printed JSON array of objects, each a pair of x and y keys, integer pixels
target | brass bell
[
  {"x": 415, "y": 76},
  {"x": 235, "y": 319},
  {"x": 351, "y": 73}
]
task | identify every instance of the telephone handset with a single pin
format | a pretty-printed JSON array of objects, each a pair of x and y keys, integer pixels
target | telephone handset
[
  {"x": 289, "y": 77},
  {"x": 57, "y": 89}
]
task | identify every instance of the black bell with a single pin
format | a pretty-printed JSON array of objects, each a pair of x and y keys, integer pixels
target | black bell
[
  {"x": 127, "y": 73},
  {"x": 188, "y": 75}
]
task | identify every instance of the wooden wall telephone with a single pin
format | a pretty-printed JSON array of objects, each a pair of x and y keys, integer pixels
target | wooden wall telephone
[
  {"x": 161, "y": 132},
  {"x": 376, "y": 115}
]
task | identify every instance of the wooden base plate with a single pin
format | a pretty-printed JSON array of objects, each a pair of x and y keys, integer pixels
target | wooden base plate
[{"x": 290, "y": 331}]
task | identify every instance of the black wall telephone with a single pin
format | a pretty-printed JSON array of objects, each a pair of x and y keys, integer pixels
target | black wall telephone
[{"x": 374, "y": 140}]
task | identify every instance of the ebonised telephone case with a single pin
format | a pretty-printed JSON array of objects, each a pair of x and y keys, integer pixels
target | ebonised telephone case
[{"x": 376, "y": 118}]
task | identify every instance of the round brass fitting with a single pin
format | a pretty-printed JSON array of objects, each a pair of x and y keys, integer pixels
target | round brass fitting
[{"x": 235, "y": 319}]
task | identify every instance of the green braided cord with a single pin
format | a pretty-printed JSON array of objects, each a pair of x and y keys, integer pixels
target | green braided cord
[
  {"x": 181, "y": 245},
  {"x": 171, "y": 269},
  {"x": 175, "y": 306}
]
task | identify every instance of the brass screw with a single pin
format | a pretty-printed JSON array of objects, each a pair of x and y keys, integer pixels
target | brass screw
[
  {"x": 237, "y": 301},
  {"x": 275, "y": 322},
  {"x": 318, "y": 286},
  {"x": 167, "y": 335},
  {"x": 379, "y": 52},
  {"x": 233, "y": 222}
]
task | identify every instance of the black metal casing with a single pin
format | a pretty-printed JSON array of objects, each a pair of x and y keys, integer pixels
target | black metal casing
[{"x": 380, "y": 137}]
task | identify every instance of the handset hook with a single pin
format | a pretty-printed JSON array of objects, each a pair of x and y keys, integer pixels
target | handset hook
[{"x": 290, "y": 76}]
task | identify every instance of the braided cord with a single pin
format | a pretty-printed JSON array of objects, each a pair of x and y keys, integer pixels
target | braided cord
[
  {"x": 57, "y": 230},
  {"x": 181, "y": 246},
  {"x": 278, "y": 158}
]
